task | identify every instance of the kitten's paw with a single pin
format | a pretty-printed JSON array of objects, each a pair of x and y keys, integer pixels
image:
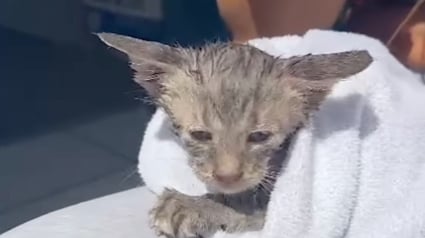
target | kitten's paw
[{"x": 179, "y": 216}]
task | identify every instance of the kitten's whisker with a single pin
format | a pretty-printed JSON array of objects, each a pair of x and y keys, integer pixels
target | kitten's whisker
[
  {"x": 127, "y": 177},
  {"x": 139, "y": 99},
  {"x": 268, "y": 184},
  {"x": 145, "y": 100},
  {"x": 271, "y": 177},
  {"x": 265, "y": 187}
]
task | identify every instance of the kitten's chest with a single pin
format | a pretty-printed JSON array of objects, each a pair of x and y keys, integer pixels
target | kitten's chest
[{"x": 247, "y": 202}]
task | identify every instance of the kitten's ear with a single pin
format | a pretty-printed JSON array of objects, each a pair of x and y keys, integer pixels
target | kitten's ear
[
  {"x": 151, "y": 60},
  {"x": 328, "y": 66},
  {"x": 315, "y": 75}
]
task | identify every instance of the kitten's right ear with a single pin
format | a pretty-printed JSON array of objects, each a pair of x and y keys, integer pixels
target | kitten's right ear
[
  {"x": 151, "y": 60},
  {"x": 314, "y": 76}
]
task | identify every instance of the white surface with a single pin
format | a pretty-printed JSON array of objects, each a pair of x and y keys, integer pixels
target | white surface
[
  {"x": 121, "y": 215},
  {"x": 357, "y": 170}
]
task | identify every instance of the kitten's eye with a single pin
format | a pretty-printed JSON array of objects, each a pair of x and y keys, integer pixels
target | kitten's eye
[
  {"x": 259, "y": 136},
  {"x": 201, "y": 135}
]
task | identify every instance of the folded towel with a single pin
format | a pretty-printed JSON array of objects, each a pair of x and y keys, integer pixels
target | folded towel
[{"x": 357, "y": 169}]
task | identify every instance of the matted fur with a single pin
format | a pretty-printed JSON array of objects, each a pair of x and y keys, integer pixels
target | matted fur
[
  {"x": 227, "y": 93},
  {"x": 231, "y": 90}
]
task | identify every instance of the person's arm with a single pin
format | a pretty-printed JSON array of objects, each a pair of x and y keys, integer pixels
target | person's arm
[{"x": 248, "y": 19}]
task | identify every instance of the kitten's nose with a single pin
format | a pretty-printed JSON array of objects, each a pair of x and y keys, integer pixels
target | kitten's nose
[{"x": 228, "y": 178}]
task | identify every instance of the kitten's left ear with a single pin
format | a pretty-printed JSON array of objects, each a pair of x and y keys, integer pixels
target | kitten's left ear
[
  {"x": 315, "y": 75},
  {"x": 152, "y": 61}
]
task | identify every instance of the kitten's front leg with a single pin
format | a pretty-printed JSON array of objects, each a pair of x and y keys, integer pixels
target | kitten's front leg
[{"x": 181, "y": 216}]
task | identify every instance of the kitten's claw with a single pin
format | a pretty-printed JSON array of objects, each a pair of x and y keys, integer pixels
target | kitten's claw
[{"x": 180, "y": 216}]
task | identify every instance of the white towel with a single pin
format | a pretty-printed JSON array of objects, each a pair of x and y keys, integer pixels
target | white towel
[{"x": 356, "y": 170}]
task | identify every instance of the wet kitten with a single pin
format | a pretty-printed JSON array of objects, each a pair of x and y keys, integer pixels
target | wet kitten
[{"x": 235, "y": 108}]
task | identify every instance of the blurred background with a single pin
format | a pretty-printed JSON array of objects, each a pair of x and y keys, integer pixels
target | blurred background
[{"x": 72, "y": 120}]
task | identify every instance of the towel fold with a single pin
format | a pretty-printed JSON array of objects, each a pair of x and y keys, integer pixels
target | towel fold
[{"x": 357, "y": 169}]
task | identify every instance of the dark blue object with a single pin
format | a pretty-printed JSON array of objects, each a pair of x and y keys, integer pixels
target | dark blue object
[{"x": 186, "y": 22}]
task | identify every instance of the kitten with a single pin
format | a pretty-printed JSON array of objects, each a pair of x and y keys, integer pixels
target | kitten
[{"x": 235, "y": 109}]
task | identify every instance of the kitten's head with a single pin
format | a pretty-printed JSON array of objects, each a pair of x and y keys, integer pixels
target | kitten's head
[{"x": 233, "y": 105}]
